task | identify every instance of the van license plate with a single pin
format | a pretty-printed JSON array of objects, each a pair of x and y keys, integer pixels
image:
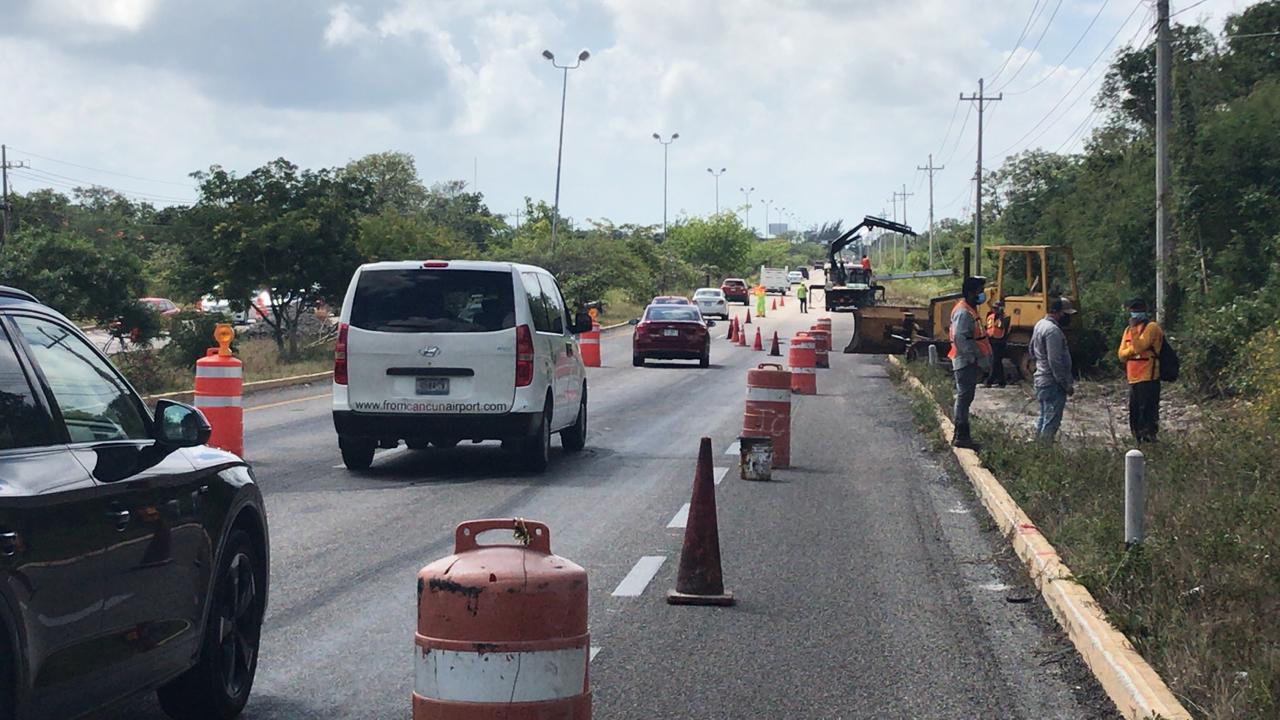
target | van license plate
[
  {"x": 671, "y": 333},
  {"x": 433, "y": 385}
]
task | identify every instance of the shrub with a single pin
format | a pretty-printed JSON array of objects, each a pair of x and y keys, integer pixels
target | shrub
[{"x": 190, "y": 335}]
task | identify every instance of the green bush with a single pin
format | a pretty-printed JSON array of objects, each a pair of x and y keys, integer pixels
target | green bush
[{"x": 190, "y": 335}]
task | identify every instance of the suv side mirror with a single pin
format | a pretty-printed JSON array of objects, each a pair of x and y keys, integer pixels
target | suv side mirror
[
  {"x": 181, "y": 425},
  {"x": 582, "y": 322}
]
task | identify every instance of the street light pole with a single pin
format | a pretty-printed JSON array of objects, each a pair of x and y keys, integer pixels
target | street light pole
[
  {"x": 717, "y": 175},
  {"x": 746, "y": 215},
  {"x": 564, "y": 92},
  {"x": 665, "y": 143},
  {"x": 767, "y": 204}
]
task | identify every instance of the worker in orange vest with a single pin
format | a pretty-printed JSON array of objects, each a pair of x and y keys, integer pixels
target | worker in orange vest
[
  {"x": 1140, "y": 348},
  {"x": 998, "y": 332},
  {"x": 866, "y": 262},
  {"x": 970, "y": 355}
]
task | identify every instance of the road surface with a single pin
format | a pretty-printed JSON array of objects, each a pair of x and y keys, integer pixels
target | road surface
[{"x": 869, "y": 584}]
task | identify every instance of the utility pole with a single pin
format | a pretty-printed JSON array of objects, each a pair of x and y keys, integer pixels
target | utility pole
[
  {"x": 981, "y": 99},
  {"x": 665, "y": 144},
  {"x": 931, "y": 170},
  {"x": 903, "y": 238},
  {"x": 746, "y": 216},
  {"x": 5, "y": 167},
  {"x": 767, "y": 204},
  {"x": 564, "y": 93},
  {"x": 717, "y": 175},
  {"x": 1164, "y": 110}
]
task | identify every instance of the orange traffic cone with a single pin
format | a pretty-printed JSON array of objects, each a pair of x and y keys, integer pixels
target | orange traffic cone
[
  {"x": 775, "y": 351},
  {"x": 733, "y": 329},
  {"x": 748, "y": 315},
  {"x": 757, "y": 345},
  {"x": 742, "y": 337},
  {"x": 782, "y": 301},
  {"x": 775, "y": 304},
  {"x": 700, "y": 580}
]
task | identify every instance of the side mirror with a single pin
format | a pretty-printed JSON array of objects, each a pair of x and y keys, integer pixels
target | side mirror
[
  {"x": 633, "y": 321},
  {"x": 181, "y": 425},
  {"x": 711, "y": 323},
  {"x": 582, "y": 323}
]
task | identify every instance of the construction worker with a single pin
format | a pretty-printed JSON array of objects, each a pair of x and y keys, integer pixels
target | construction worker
[
  {"x": 970, "y": 354},
  {"x": 760, "y": 293},
  {"x": 998, "y": 332},
  {"x": 802, "y": 294},
  {"x": 1140, "y": 348},
  {"x": 1053, "y": 382},
  {"x": 866, "y": 262}
]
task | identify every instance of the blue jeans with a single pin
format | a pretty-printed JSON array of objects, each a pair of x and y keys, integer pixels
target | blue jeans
[{"x": 1053, "y": 400}]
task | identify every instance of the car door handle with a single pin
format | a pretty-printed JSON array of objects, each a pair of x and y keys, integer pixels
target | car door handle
[
  {"x": 9, "y": 543},
  {"x": 120, "y": 518}
]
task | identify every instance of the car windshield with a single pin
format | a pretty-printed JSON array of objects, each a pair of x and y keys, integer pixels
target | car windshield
[
  {"x": 672, "y": 313},
  {"x": 670, "y": 300},
  {"x": 414, "y": 300},
  {"x": 734, "y": 282},
  {"x": 708, "y": 294}
]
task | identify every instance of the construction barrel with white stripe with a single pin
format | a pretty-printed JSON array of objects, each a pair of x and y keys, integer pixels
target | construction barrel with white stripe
[
  {"x": 502, "y": 629},
  {"x": 821, "y": 346},
  {"x": 218, "y": 388},
  {"x": 768, "y": 409},
  {"x": 801, "y": 359},
  {"x": 589, "y": 345}
]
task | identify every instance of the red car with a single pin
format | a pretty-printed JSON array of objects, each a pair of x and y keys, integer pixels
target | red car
[
  {"x": 736, "y": 290},
  {"x": 164, "y": 306},
  {"x": 670, "y": 300},
  {"x": 671, "y": 332}
]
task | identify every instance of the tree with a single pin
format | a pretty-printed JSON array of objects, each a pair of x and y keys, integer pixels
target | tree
[
  {"x": 719, "y": 240},
  {"x": 464, "y": 213},
  {"x": 391, "y": 235},
  {"x": 389, "y": 180},
  {"x": 81, "y": 278}
]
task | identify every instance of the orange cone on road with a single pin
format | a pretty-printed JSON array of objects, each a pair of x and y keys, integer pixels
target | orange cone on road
[
  {"x": 742, "y": 337},
  {"x": 775, "y": 304},
  {"x": 733, "y": 329},
  {"x": 782, "y": 301},
  {"x": 700, "y": 580},
  {"x": 757, "y": 345},
  {"x": 748, "y": 315},
  {"x": 775, "y": 351}
]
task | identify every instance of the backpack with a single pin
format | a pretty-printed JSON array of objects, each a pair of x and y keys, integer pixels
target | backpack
[{"x": 1168, "y": 359}]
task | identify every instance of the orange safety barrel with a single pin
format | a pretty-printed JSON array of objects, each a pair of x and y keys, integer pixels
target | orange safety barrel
[
  {"x": 218, "y": 388},
  {"x": 821, "y": 346},
  {"x": 502, "y": 630},
  {"x": 768, "y": 409},
  {"x": 824, "y": 323},
  {"x": 802, "y": 358},
  {"x": 589, "y": 343}
]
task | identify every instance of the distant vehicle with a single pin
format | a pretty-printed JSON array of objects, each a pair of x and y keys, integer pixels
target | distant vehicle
[
  {"x": 711, "y": 301},
  {"x": 736, "y": 290},
  {"x": 774, "y": 280},
  {"x": 164, "y": 306},
  {"x": 221, "y": 306},
  {"x": 438, "y": 352},
  {"x": 795, "y": 276},
  {"x": 133, "y": 556},
  {"x": 670, "y": 300},
  {"x": 671, "y": 332}
]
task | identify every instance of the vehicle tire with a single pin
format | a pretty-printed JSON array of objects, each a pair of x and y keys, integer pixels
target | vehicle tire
[
  {"x": 8, "y": 670},
  {"x": 705, "y": 360},
  {"x": 637, "y": 360},
  {"x": 218, "y": 686},
  {"x": 357, "y": 454},
  {"x": 574, "y": 438},
  {"x": 535, "y": 453}
]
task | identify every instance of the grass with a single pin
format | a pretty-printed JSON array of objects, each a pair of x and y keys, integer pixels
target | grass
[
  {"x": 618, "y": 308},
  {"x": 1201, "y": 598},
  {"x": 917, "y": 291},
  {"x": 150, "y": 374}
]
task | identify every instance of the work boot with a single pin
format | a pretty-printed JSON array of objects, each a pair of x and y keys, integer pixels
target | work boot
[{"x": 962, "y": 439}]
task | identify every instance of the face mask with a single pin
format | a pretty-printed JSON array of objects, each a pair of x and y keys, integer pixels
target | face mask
[
  {"x": 982, "y": 297},
  {"x": 1138, "y": 316}
]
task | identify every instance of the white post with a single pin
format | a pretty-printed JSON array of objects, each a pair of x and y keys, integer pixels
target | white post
[
  {"x": 933, "y": 356},
  {"x": 1134, "y": 496}
]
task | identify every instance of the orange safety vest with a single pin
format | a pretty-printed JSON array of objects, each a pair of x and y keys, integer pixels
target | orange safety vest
[
  {"x": 996, "y": 325},
  {"x": 979, "y": 332},
  {"x": 866, "y": 263},
  {"x": 1143, "y": 366}
]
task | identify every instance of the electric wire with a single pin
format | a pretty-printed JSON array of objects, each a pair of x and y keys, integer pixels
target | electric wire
[
  {"x": 1017, "y": 43},
  {"x": 1065, "y": 58},
  {"x": 1027, "y": 58},
  {"x": 99, "y": 170}
]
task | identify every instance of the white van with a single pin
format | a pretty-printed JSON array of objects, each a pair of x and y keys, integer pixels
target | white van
[{"x": 438, "y": 352}]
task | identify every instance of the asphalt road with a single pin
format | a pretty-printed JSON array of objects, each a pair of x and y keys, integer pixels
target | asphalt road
[{"x": 869, "y": 583}]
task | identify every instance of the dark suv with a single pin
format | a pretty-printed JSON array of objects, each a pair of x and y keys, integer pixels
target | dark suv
[{"x": 132, "y": 555}]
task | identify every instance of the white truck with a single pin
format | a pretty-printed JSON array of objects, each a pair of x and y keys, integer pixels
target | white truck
[{"x": 774, "y": 280}]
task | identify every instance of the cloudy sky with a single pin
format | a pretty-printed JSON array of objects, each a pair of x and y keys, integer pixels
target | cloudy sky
[{"x": 825, "y": 107}]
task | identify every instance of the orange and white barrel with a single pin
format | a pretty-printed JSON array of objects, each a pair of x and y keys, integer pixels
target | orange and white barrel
[
  {"x": 824, "y": 323},
  {"x": 768, "y": 409},
  {"x": 821, "y": 346},
  {"x": 589, "y": 344},
  {"x": 502, "y": 630},
  {"x": 218, "y": 388},
  {"x": 802, "y": 358}
]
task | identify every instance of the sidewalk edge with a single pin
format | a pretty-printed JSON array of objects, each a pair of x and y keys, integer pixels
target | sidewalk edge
[
  {"x": 250, "y": 388},
  {"x": 1132, "y": 684}
]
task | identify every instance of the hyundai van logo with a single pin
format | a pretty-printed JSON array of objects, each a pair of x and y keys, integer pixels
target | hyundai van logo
[{"x": 429, "y": 351}]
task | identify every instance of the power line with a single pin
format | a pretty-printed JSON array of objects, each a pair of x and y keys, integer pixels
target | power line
[
  {"x": 87, "y": 183},
  {"x": 1066, "y": 57},
  {"x": 1018, "y": 43},
  {"x": 1027, "y": 58},
  {"x": 1192, "y": 6},
  {"x": 40, "y": 177},
  {"x": 1078, "y": 132},
  {"x": 959, "y": 135},
  {"x": 950, "y": 123},
  {"x": 100, "y": 170}
]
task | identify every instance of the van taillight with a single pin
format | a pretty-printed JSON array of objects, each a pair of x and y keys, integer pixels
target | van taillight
[
  {"x": 340, "y": 356},
  {"x": 524, "y": 356}
]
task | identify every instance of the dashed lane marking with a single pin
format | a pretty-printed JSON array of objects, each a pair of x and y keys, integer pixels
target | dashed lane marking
[
  {"x": 638, "y": 579},
  {"x": 681, "y": 517},
  {"x": 595, "y": 650},
  {"x": 735, "y": 448},
  {"x": 720, "y": 472}
]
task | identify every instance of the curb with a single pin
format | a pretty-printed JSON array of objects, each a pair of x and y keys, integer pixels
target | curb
[
  {"x": 615, "y": 326},
  {"x": 1132, "y": 684},
  {"x": 249, "y": 388}
]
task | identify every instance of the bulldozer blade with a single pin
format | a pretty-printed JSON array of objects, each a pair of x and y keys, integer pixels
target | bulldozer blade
[{"x": 882, "y": 329}]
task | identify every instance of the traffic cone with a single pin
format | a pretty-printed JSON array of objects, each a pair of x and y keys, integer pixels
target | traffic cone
[
  {"x": 775, "y": 304},
  {"x": 742, "y": 337},
  {"x": 733, "y": 329},
  {"x": 748, "y": 320},
  {"x": 757, "y": 345},
  {"x": 782, "y": 301},
  {"x": 700, "y": 581},
  {"x": 775, "y": 351}
]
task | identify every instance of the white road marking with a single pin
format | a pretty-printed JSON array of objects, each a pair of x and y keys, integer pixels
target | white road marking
[
  {"x": 380, "y": 454},
  {"x": 734, "y": 448},
  {"x": 958, "y": 509},
  {"x": 681, "y": 518},
  {"x": 720, "y": 472},
  {"x": 638, "y": 579},
  {"x": 995, "y": 586},
  {"x": 595, "y": 650}
]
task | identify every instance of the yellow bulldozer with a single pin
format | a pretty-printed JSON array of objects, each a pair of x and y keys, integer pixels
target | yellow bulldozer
[{"x": 1028, "y": 277}]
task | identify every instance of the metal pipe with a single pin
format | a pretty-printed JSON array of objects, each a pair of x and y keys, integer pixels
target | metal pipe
[{"x": 1135, "y": 498}]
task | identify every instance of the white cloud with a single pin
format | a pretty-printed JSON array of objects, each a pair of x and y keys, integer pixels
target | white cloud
[
  {"x": 127, "y": 15},
  {"x": 344, "y": 28}
]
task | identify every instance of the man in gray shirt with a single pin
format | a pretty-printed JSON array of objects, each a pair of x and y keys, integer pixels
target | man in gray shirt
[
  {"x": 1052, "y": 381},
  {"x": 970, "y": 355}
]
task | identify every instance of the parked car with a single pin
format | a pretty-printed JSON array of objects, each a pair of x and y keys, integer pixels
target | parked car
[
  {"x": 133, "y": 556},
  {"x": 711, "y": 301},
  {"x": 221, "y": 306},
  {"x": 671, "y": 332},
  {"x": 736, "y": 290},
  {"x": 442, "y": 351},
  {"x": 164, "y": 306},
  {"x": 795, "y": 276},
  {"x": 670, "y": 300}
]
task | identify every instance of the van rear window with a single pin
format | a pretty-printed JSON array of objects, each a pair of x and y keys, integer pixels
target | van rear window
[{"x": 444, "y": 301}]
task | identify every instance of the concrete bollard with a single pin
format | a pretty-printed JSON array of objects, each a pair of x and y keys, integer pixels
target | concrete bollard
[
  {"x": 1135, "y": 498},
  {"x": 933, "y": 356}
]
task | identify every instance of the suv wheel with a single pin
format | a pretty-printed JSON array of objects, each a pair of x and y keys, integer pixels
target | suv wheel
[
  {"x": 637, "y": 360},
  {"x": 218, "y": 686},
  {"x": 574, "y": 437},
  {"x": 536, "y": 452},
  {"x": 357, "y": 454},
  {"x": 705, "y": 360}
]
